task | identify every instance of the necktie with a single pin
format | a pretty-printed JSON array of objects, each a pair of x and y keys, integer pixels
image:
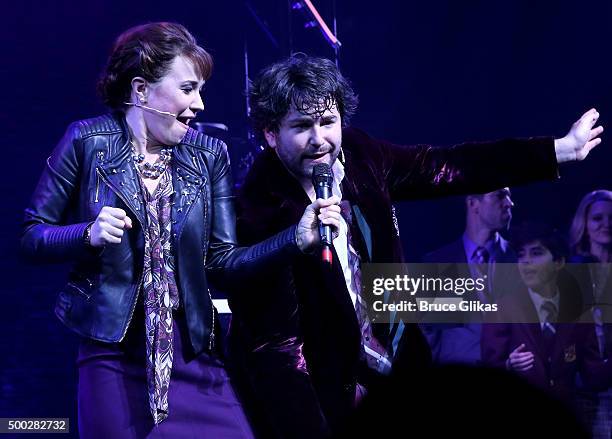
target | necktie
[
  {"x": 375, "y": 354},
  {"x": 480, "y": 260},
  {"x": 550, "y": 317}
]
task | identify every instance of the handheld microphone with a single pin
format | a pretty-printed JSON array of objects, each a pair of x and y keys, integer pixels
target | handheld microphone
[
  {"x": 155, "y": 110},
  {"x": 322, "y": 178}
]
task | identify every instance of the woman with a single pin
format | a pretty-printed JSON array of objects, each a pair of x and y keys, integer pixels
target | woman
[
  {"x": 140, "y": 203},
  {"x": 591, "y": 245},
  {"x": 590, "y": 233}
]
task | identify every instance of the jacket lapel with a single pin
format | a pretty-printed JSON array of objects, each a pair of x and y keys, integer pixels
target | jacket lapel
[
  {"x": 374, "y": 219},
  {"x": 189, "y": 183},
  {"x": 119, "y": 174},
  {"x": 364, "y": 199}
]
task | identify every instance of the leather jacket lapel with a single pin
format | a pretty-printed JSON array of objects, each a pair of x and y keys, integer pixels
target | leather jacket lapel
[
  {"x": 188, "y": 185},
  {"x": 119, "y": 174}
]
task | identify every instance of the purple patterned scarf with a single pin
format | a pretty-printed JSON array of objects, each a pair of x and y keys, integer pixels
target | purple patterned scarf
[{"x": 160, "y": 294}]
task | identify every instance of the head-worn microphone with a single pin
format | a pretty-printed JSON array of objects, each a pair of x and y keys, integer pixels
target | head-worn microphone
[
  {"x": 163, "y": 113},
  {"x": 322, "y": 178}
]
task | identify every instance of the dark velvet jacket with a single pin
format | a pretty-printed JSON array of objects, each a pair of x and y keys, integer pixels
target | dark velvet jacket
[
  {"x": 91, "y": 168},
  {"x": 296, "y": 335}
]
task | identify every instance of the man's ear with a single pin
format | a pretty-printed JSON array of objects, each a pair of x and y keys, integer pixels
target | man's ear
[
  {"x": 139, "y": 89},
  {"x": 471, "y": 202},
  {"x": 271, "y": 138}
]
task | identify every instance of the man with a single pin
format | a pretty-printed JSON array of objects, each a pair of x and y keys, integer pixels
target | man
[
  {"x": 307, "y": 351},
  {"x": 538, "y": 332},
  {"x": 480, "y": 252}
]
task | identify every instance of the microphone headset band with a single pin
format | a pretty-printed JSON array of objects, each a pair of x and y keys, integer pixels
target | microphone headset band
[{"x": 145, "y": 107}]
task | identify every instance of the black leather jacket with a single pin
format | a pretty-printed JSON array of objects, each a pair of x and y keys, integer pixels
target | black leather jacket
[{"x": 91, "y": 168}]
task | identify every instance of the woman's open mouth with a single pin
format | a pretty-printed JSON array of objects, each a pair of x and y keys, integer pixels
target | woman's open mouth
[{"x": 184, "y": 120}]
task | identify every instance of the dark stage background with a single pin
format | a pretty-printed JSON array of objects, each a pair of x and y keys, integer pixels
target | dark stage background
[{"x": 427, "y": 72}]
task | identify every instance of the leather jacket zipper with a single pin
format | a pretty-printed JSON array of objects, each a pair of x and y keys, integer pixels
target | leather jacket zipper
[
  {"x": 80, "y": 290},
  {"x": 97, "y": 188},
  {"x": 100, "y": 155},
  {"x": 211, "y": 339},
  {"x": 122, "y": 198},
  {"x": 133, "y": 306}
]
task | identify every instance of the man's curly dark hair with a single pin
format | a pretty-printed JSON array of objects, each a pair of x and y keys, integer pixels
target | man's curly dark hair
[{"x": 313, "y": 85}]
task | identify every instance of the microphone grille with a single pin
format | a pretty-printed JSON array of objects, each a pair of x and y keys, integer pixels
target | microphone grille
[{"x": 322, "y": 174}]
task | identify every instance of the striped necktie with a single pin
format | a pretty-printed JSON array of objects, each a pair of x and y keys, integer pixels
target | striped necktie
[{"x": 550, "y": 317}]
